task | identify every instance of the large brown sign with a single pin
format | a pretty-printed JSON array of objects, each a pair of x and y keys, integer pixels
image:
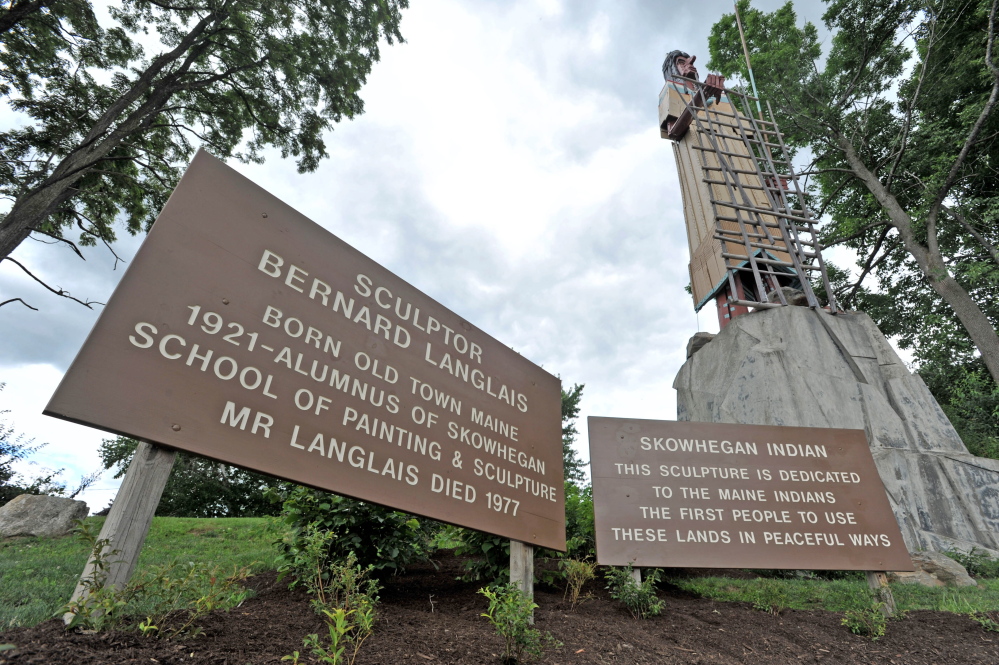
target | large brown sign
[
  {"x": 244, "y": 332},
  {"x": 709, "y": 495}
]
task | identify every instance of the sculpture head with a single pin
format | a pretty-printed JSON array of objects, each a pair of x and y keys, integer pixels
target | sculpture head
[{"x": 679, "y": 64}]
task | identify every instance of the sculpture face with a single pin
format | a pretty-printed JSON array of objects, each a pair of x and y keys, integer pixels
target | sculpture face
[
  {"x": 686, "y": 67},
  {"x": 679, "y": 64}
]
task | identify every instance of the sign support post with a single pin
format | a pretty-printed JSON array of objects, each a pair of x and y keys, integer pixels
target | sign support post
[
  {"x": 522, "y": 568},
  {"x": 636, "y": 574},
  {"x": 131, "y": 514},
  {"x": 878, "y": 582}
]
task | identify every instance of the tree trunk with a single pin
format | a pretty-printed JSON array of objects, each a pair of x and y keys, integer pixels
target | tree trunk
[
  {"x": 32, "y": 209},
  {"x": 18, "y": 12},
  {"x": 971, "y": 316}
]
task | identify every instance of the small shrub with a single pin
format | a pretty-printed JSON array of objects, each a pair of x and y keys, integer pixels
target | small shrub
[
  {"x": 181, "y": 594},
  {"x": 869, "y": 620},
  {"x": 342, "y": 592},
  {"x": 576, "y": 574},
  {"x": 987, "y": 620},
  {"x": 387, "y": 540},
  {"x": 348, "y": 629},
  {"x": 175, "y": 596},
  {"x": 640, "y": 598},
  {"x": 770, "y": 596},
  {"x": 98, "y": 607},
  {"x": 511, "y": 613}
]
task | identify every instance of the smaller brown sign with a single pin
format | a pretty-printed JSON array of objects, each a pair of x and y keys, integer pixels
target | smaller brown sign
[{"x": 712, "y": 495}]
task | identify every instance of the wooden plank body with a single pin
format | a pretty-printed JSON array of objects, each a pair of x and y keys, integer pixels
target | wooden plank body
[{"x": 708, "y": 267}]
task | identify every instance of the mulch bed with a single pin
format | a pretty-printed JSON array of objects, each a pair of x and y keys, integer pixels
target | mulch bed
[{"x": 428, "y": 618}]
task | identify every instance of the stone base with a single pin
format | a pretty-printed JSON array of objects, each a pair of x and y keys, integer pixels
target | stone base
[
  {"x": 794, "y": 366},
  {"x": 934, "y": 569},
  {"x": 40, "y": 516}
]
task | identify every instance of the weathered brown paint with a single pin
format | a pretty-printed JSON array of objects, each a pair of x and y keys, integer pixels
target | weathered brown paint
[
  {"x": 205, "y": 250},
  {"x": 618, "y": 496}
]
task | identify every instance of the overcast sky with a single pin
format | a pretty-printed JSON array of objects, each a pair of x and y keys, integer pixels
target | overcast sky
[{"x": 508, "y": 164}]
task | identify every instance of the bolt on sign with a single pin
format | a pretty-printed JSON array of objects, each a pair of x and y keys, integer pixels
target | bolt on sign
[
  {"x": 711, "y": 495},
  {"x": 246, "y": 333}
]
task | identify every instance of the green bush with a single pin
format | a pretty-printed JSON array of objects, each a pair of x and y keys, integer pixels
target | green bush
[
  {"x": 870, "y": 620},
  {"x": 384, "y": 539},
  {"x": 511, "y": 613},
  {"x": 979, "y": 563},
  {"x": 489, "y": 556},
  {"x": 640, "y": 598}
]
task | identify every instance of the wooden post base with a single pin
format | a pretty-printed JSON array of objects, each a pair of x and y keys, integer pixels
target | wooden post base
[
  {"x": 636, "y": 574},
  {"x": 878, "y": 582},
  {"x": 131, "y": 514}
]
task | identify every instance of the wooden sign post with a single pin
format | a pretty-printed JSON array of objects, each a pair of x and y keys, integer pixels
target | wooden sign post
[
  {"x": 128, "y": 521},
  {"x": 522, "y": 568},
  {"x": 877, "y": 581}
]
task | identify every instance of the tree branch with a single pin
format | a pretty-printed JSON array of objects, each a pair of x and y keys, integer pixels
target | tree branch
[
  {"x": 18, "y": 300},
  {"x": 97, "y": 234},
  {"x": 859, "y": 234},
  {"x": 907, "y": 123},
  {"x": 68, "y": 242},
  {"x": 868, "y": 266},
  {"x": 952, "y": 175},
  {"x": 989, "y": 247},
  {"x": 59, "y": 292},
  {"x": 18, "y": 11}
]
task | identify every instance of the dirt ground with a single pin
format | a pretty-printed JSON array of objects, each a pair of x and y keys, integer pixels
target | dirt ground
[{"x": 427, "y": 617}]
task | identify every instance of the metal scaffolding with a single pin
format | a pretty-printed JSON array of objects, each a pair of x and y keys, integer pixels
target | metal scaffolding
[{"x": 775, "y": 239}]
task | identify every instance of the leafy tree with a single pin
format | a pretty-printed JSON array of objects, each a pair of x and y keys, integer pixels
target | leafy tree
[
  {"x": 110, "y": 127},
  {"x": 970, "y": 399},
  {"x": 901, "y": 120},
  {"x": 199, "y": 487},
  {"x": 14, "y": 448},
  {"x": 573, "y": 467}
]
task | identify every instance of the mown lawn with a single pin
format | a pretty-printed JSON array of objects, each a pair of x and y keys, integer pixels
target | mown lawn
[
  {"x": 842, "y": 595},
  {"x": 37, "y": 576}
]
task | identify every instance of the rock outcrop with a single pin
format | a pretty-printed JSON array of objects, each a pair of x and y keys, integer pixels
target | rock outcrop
[
  {"x": 934, "y": 569},
  {"x": 794, "y": 366},
  {"x": 41, "y": 516}
]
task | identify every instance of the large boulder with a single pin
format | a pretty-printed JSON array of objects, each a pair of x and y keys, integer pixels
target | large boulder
[
  {"x": 41, "y": 516},
  {"x": 800, "y": 367},
  {"x": 934, "y": 569}
]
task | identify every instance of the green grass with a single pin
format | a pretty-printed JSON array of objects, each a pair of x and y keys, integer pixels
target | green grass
[
  {"x": 842, "y": 595},
  {"x": 37, "y": 576}
]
